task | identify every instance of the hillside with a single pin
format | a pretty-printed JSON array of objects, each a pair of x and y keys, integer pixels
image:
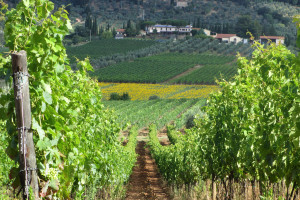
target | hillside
[{"x": 222, "y": 16}]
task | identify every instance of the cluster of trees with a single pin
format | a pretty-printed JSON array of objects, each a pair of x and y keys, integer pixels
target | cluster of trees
[
  {"x": 247, "y": 2},
  {"x": 174, "y": 22},
  {"x": 92, "y": 28},
  {"x": 96, "y": 30},
  {"x": 132, "y": 29},
  {"x": 266, "y": 18},
  {"x": 244, "y": 24}
]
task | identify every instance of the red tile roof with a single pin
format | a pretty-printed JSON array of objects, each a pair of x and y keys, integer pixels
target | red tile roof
[
  {"x": 121, "y": 30},
  {"x": 224, "y": 35},
  {"x": 198, "y": 29},
  {"x": 271, "y": 37}
]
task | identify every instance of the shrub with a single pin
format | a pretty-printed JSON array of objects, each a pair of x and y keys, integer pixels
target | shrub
[
  {"x": 154, "y": 97},
  {"x": 125, "y": 97},
  {"x": 191, "y": 116},
  {"x": 116, "y": 96}
]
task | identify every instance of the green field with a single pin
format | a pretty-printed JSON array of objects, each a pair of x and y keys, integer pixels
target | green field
[
  {"x": 208, "y": 73},
  {"x": 100, "y": 48},
  {"x": 160, "y": 68},
  {"x": 160, "y": 112}
]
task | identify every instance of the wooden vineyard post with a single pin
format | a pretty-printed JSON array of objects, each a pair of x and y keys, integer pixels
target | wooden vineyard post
[
  {"x": 214, "y": 188},
  {"x": 28, "y": 173}
]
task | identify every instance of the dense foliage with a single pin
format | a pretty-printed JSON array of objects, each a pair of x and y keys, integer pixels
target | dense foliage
[
  {"x": 266, "y": 16},
  {"x": 77, "y": 140},
  {"x": 250, "y": 130}
]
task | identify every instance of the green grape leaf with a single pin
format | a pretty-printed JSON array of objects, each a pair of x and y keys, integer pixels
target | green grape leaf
[
  {"x": 26, "y": 3},
  {"x": 47, "y": 97},
  {"x": 43, "y": 144},
  {"x": 36, "y": 126},
  {"x": 54, "y": 184},
  {"x": 43, "y": 107},
  {"x": 59, "y": 68},
  {"x": 41, "y": 166},
  {"x": 46, "y": 87},
  {"x": 69, "y": 25},
  {"x": 50, "y": 6}
]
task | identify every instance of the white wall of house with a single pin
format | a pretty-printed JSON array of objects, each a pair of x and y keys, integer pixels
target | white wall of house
[
  {"x": 181, "y": 4},
  {"x": 149, "y": 29},
  {"x": 168, "y": 29},
  {"x": 186, "y": 29},
  {"x": 207, "y": 32},
  {"x": 142, "y": 32},
  {"x": 231, "y": 39},
  {"x": 279, "y": 41},
  {"x": 235, "y": 39}
]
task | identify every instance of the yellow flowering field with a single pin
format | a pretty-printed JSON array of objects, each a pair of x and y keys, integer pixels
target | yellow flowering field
[{"x": 142, "y": 91}]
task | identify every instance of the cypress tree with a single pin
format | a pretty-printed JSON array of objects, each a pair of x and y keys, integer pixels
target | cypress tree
[
  {"x": 128, "y": 24},
  {"x": 88, "y": 22},
  {"x": 95, "y": 27},
  {"x": 199, "y": 25}
]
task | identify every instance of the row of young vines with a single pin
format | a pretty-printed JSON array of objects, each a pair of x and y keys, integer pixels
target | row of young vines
[
  {"x": 250, "y": 132},
  {"x": 77, "y": 143}
]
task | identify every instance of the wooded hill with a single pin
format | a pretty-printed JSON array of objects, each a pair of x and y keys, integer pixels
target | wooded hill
[{"x": 261, "y": 17}]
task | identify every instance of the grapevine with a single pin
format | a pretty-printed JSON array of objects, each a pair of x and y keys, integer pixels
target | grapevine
[
  {"x": 250, "y": 131},
  {"x": 76, "y": 139}
]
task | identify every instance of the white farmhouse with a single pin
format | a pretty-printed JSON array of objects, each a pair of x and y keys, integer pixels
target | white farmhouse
[
  {"x": 182, "y": 3},
  {"x": 187, "y": 29},
  {"x": 276, "y": 39},
  {"x": 161, "y": 29},
  {"x": 168, "y": 29},
  {"x": 207, "y": 32},
  {"x": 228, "y": 38},
  {"x": 119, "y": 36}
]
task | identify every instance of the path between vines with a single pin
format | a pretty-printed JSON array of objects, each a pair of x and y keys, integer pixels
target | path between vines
[
  {"x": 145, "y": 181},
  {"x": 184, "y": 73}
]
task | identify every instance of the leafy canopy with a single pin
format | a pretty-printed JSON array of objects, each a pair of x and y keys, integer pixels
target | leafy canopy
[{"x": 76, "y": 139}]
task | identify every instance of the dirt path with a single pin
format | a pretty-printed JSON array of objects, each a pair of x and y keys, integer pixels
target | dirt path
[
  {"x": 145, "y": 181},
  {"x": 184, "y": 73}
]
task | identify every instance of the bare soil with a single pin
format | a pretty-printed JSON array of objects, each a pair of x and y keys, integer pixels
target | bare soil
[{"x": 145, "y": 181}]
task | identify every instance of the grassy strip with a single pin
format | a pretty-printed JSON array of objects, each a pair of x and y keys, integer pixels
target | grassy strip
[{"x": 143, "y": 113}]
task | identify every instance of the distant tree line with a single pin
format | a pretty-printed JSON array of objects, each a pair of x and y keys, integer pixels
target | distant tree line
[
  {"x": 247, "y": 2},
  {"x": 243, "y": 25}
]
